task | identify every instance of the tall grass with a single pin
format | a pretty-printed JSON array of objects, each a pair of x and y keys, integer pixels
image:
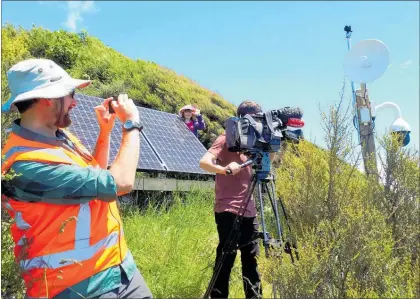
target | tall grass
[{"x": 174, "y": 246}]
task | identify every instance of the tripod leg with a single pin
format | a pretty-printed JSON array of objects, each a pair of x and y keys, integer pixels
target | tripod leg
[
  {"x": 290, "y": 245},
  {"x": 260, "y": 199},
  {"x": 273, "y": 200},
  {"x": 232, "y": 239}
]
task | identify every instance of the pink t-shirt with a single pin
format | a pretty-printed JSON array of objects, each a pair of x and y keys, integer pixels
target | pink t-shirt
[
  {"x": 190, "y": 125},
  {"x": 231, "y": 189}
]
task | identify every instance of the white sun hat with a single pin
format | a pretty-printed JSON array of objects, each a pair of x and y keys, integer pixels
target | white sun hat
[
  {"x": 186, "y": 107},
  {"x": 39, "y": 78}
]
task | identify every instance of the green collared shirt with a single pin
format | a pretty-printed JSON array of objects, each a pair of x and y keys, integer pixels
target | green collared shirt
[{"x": 67, "y": 184}]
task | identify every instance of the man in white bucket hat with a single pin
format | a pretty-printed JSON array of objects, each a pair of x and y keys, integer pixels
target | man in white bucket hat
[
  {"x": 69, "y": 240},
  {"x": 39, "y": 78}
]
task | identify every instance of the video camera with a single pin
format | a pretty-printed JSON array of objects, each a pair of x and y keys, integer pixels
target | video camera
[{"x": 263, "y": 131}]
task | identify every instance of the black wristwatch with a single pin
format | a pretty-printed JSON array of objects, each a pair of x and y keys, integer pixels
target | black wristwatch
[{"x": 131, "y": 125}]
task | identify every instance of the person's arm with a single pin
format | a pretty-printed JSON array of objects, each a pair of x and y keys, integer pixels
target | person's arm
[
  {"x": 124, "y": 167},
  {"x": 102, "y": 149},
  {"x": 106, "y": 123},
  {"x": 199, "y": 124},
  {"x": 209, "y": 161},
  {"x": 60, "y": 183}
]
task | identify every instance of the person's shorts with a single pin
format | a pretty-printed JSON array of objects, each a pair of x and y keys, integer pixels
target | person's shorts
[{"x": 136, "y": 288}]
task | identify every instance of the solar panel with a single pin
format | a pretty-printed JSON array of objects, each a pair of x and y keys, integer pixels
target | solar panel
[
  {"x": 176, "y": 144},
  {"x": 166, "y": 144},
  {"x": 86, "y": 128}
]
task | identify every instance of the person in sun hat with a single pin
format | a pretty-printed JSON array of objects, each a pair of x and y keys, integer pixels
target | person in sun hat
[
  {"x": 192, "y": 118},
  {"x": 68, "y": 233}
]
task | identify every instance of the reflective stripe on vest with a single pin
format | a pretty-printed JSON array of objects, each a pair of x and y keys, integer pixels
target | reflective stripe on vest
[
  {"x": 20, "y": 223},
  {"x": 41, "y": 151},
  {"x": 82, "y": 249},
  {"x": 17, "y": 149}
]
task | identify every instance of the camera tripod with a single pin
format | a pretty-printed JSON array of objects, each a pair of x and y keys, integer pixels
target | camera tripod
[{"x": 264, "y": 181}]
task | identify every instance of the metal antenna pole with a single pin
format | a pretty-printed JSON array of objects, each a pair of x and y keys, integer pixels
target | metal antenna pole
[
  {"x": 366, "y": 131},
  {"x": 363, "y": 120},
  {"x": 348, "y": 31}
]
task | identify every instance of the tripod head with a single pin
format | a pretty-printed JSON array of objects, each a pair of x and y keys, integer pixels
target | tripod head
[{"x": 261, "y": 164}]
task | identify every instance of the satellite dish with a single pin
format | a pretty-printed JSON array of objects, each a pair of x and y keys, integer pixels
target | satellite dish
[{"x": 366, "y": 61}]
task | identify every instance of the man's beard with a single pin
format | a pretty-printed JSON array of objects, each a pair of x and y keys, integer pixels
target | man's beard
[{"x": 64, "y": 122}]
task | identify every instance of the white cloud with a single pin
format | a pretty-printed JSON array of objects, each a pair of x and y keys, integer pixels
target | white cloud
[
  {"x": 75, "y": 9},
  {"x": 406, "y": 64}
]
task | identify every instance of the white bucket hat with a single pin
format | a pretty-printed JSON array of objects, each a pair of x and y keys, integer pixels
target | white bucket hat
[{"x": 39, "y": 78}]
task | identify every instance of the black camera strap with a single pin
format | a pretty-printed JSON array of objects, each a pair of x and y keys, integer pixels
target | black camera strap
[
  {"x": 254, "y": 125},
  {"x": 269, "y": 119}
]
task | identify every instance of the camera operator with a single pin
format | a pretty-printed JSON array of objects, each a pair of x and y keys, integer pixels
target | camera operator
[
  {"x": 230, "y": 194},
  {"x": 69, "y": 239}
]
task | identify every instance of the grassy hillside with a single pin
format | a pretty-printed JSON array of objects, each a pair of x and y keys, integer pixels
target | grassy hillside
[{"x": 84, "y": 56}]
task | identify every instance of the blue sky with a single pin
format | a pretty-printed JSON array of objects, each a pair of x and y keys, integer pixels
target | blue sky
[{"x": 276, "y": 53}]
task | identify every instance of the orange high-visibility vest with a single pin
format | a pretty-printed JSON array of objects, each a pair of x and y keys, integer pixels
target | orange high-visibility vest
[{"x": 59, "y": 245}]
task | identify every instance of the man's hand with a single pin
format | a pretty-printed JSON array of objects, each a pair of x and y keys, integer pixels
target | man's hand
[
  {"x": 234, "y": 167},
  {"x": 125, "y": 109},
  {"x": 106, "y": 120}
]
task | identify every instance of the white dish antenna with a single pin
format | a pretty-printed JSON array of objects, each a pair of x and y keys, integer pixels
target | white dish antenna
[{"x": 366, "y": 61}]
